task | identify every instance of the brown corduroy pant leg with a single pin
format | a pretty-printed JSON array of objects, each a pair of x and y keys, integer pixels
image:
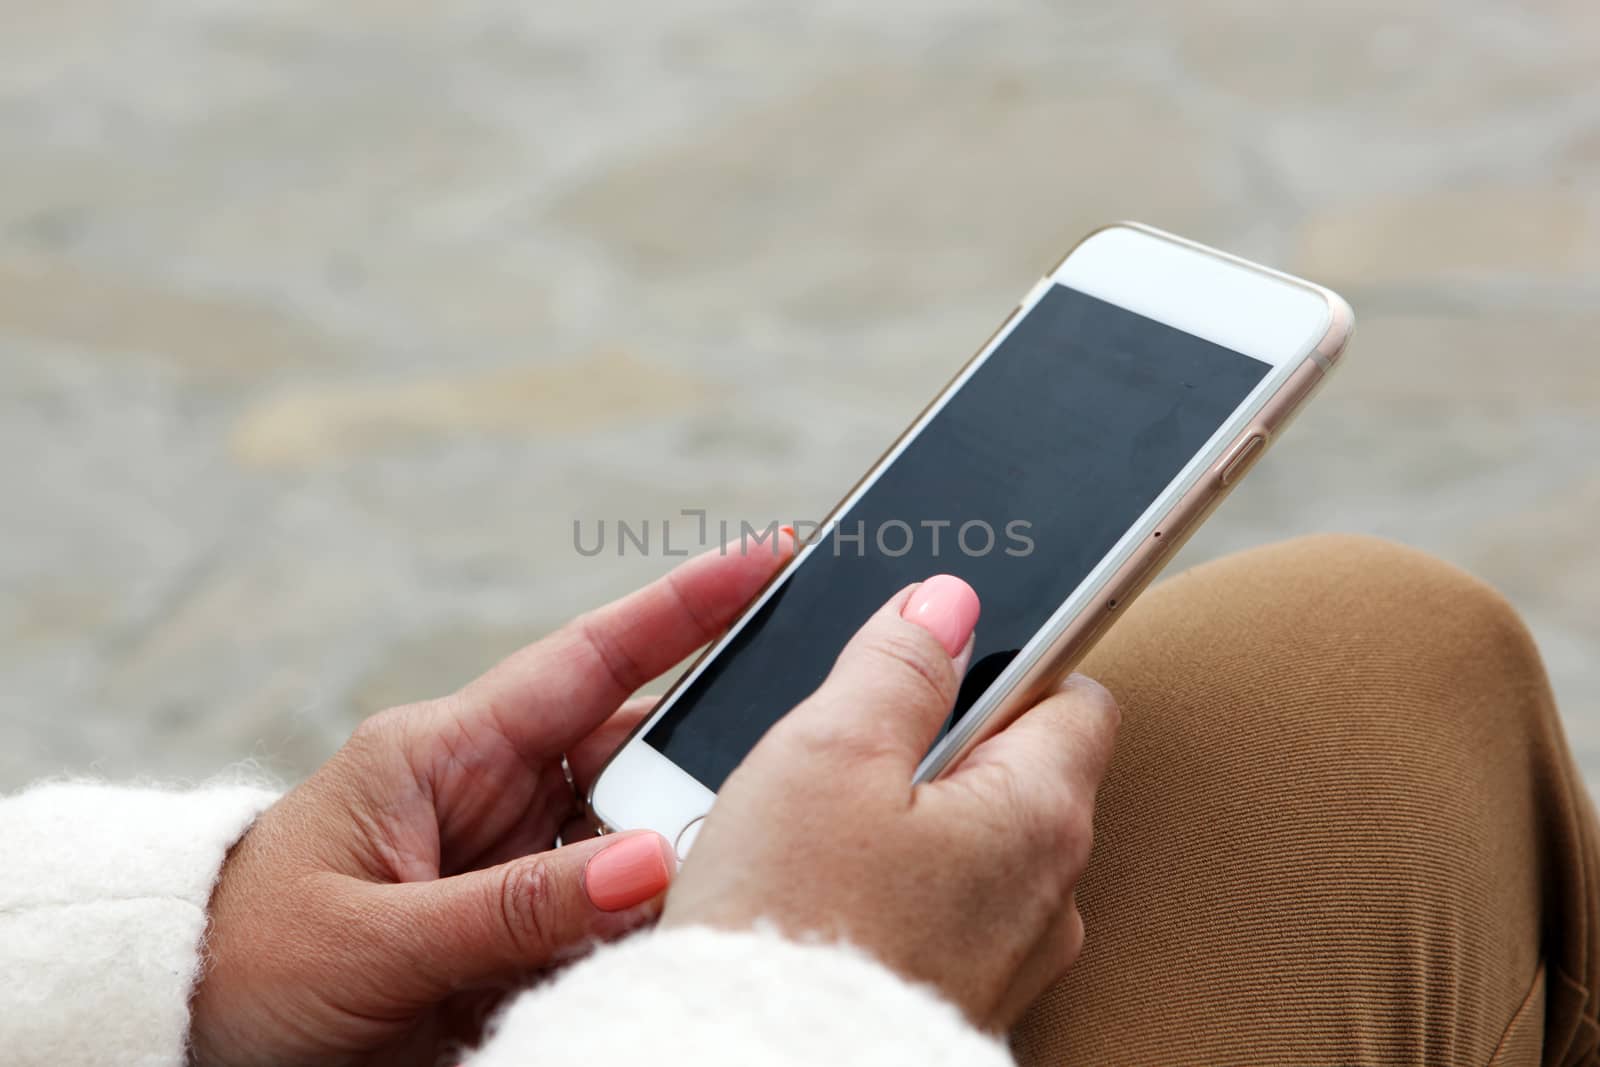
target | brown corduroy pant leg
[{"x": 1342, "y": 826}]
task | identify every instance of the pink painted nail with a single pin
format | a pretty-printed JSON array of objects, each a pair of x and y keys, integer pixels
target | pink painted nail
[
  {"x": 629, "y": 872},
  {"x": 947, "y": 608}
]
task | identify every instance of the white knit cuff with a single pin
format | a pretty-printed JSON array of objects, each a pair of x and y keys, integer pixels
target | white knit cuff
[
  {"x": 102, "y": 913},
  {"x": 714, "y": 998}
]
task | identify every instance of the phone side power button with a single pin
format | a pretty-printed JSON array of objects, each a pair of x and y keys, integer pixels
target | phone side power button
[{"x": 1244, "y": 454}]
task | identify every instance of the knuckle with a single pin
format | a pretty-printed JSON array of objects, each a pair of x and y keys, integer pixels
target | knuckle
[
  {"x": 594, "y": 632},
  {"x": 402, "y": 721},
  {"x": 1097, "y": 701},
  {"x": 377, "y": 739},
  {"x": 379, "y": 728},
  {"x": 917, "y": 659},
  {"x": 1061, "y": 827},
  {"x": 528, "y": 896},
  {"x": 829, "y": 742},
  {"x": 1074, "y": 937},
  {"x": 1074, "y": 836},
  {"x": 1038, "y": 814}
]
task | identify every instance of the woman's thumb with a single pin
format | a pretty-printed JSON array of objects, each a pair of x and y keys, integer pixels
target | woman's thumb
[{"x": 533, "y": 912}]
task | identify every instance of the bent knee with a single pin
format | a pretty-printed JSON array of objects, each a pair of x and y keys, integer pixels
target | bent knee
[
  {"x": 1389, "y": 587},
  {"x": 1320, "y": 623}
]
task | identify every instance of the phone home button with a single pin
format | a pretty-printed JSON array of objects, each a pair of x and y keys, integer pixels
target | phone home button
[{"x": 686, "y": 837}]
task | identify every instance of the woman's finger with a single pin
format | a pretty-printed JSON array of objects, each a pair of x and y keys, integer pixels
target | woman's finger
[
  {"x": 551, "y": 693},
  {"x": 494, "y": 925},
  {"x": 1064, "y": 740},
  {"x": 903, "y": 664}
]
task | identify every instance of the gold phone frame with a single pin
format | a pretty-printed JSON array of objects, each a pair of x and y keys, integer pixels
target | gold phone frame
[{"x": 1044, "y": 663}]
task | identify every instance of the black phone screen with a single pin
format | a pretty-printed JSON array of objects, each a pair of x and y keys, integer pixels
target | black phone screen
[{"x": 1021, "y": 484}]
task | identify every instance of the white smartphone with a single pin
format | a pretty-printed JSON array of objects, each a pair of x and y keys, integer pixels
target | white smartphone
[{"x": 1130, "y": 389}]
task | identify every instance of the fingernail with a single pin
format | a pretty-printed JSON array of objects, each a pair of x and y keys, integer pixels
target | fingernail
[
  {"x": 947, "y": 608},
  {"x": 629, "y": 872}
]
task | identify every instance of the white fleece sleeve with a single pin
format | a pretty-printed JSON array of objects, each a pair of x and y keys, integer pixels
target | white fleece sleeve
[
  {"x": 103, "y": 896},
  {"x": 719, "y": 999}
]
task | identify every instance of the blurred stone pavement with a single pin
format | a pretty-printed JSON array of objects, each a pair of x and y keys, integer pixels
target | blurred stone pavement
[{"x": 320, "y": 324}]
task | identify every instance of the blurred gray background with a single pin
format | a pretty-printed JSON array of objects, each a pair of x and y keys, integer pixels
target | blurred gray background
[{"x": 320, "y": 324}]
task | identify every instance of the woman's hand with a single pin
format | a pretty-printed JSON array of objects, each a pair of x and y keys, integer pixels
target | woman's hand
[
  {"x": 380, "y": 909},
  {"x": 965, "y": 883}
]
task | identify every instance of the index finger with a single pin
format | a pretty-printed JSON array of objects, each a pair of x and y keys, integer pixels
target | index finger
[
  {"x": 1065, "y": 738},
  {"x": 553, "y": 692}
]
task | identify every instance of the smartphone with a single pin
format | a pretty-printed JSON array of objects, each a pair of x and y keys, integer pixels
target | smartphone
[{"x": 1119, "y": 402}]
